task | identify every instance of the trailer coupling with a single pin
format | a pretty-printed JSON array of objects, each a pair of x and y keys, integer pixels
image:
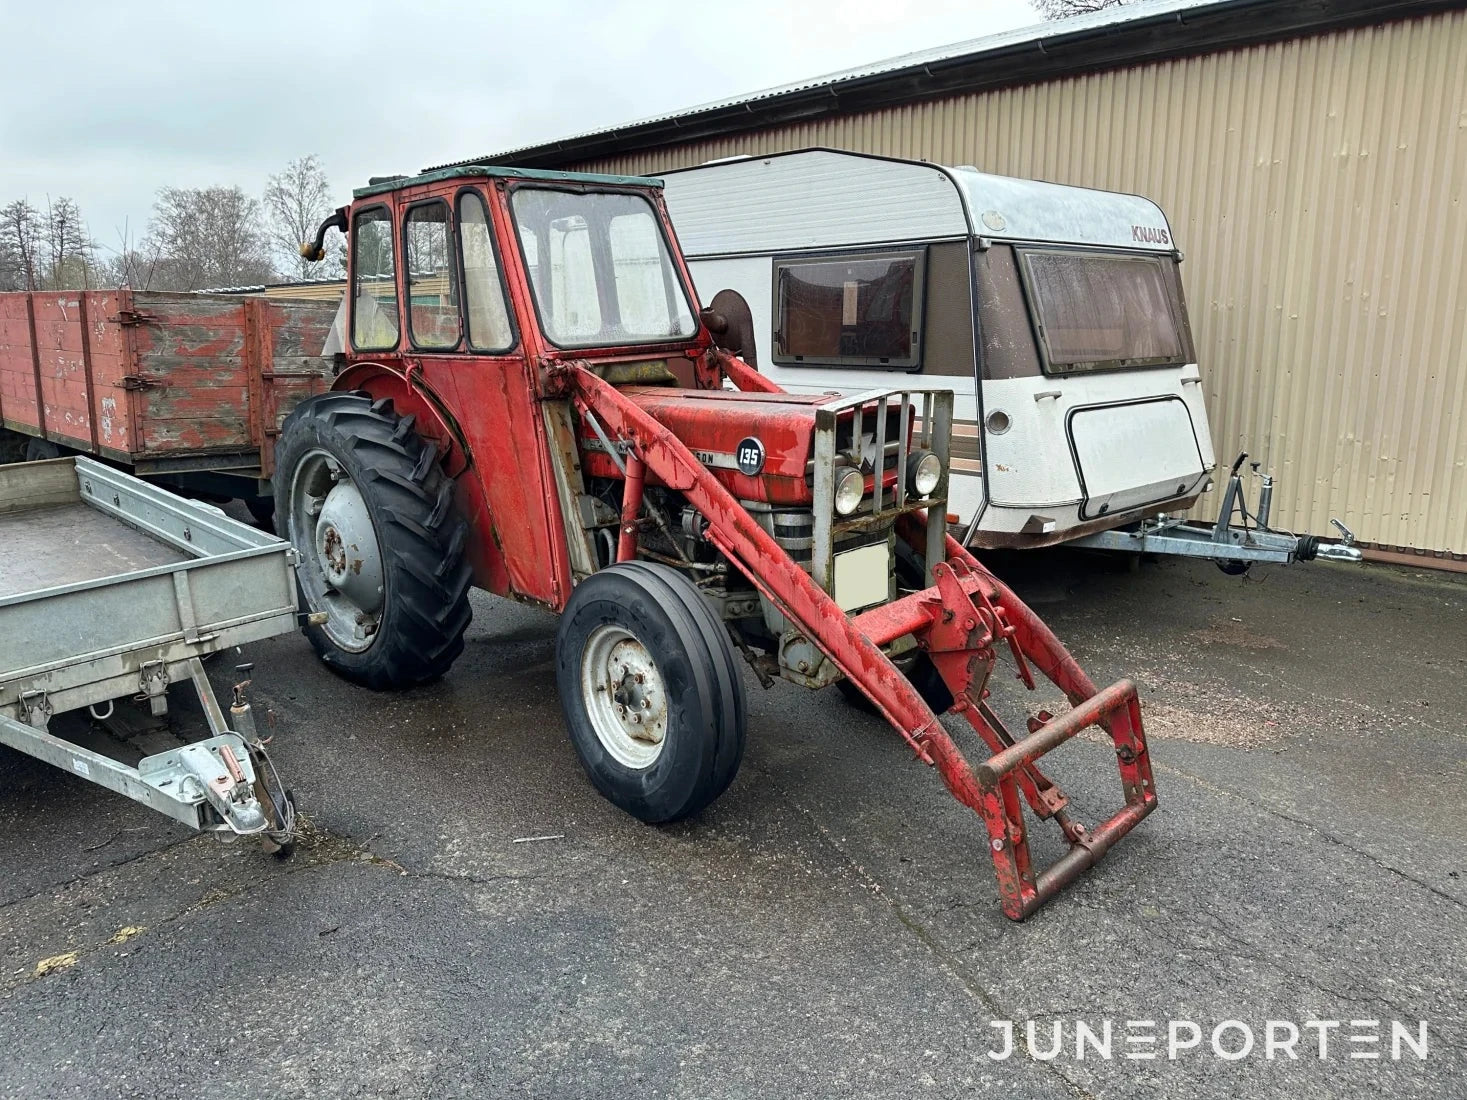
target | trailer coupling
[
  {"x": 1234, "y": 547},
  {"x": 207, "y": 785},
  {"x": 225, "y": 783}
]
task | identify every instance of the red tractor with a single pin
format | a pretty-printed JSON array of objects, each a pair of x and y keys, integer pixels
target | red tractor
[{"x": 530, "y": 401}]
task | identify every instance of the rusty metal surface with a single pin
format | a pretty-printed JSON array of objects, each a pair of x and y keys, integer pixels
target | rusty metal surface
[{"x": 18, "y": 406}]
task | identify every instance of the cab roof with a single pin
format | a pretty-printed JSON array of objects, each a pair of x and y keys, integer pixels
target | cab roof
[{"x": 382, "y": 184}]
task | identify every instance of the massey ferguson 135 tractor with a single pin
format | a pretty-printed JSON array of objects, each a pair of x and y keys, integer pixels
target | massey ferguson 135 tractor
[{"x": 529, "y": 400}]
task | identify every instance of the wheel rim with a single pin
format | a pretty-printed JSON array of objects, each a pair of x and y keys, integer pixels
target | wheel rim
[
  {"x": 341, "y": 561},
  {"x": 624, "y": 696}
]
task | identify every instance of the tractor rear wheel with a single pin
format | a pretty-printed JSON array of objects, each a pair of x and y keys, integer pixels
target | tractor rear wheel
[
  {"x": 361, "y": 497},
  {"x": 651, "y": 690}
]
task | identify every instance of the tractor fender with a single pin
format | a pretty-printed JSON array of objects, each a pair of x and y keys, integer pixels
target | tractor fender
[{"x": 412, "y": 395}]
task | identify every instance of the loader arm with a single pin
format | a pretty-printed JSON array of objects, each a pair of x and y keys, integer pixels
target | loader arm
[{"x": 958, "y": 622}]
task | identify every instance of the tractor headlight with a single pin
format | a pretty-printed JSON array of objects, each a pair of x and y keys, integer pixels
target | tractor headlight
[
  {"x": 924, "y": 471},
  {"x": 850, "y": 487}
]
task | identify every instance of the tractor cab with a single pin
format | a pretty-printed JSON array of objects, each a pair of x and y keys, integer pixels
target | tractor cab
[
  {"x": 529, "y": 400},
  {"x": 479, "y": 281}
]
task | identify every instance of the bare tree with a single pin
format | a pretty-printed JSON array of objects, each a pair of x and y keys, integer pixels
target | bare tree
[
  {"x": 131, "y": 264},
  {"x": 1063, "y": 9},
  {"x": 207, "y": 237},
  {"x": 296, "y": 201},
  {"x": 69, "y": 248},
  {"x": 21, "y": 233}
]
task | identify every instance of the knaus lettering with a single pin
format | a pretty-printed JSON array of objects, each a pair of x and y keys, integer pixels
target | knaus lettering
[{"x": 1147, "y": 235}]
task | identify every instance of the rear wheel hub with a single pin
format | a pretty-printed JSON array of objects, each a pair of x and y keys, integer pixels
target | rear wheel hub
[
  {"x": 347, "y": 550},
  {"x": 341, "y": 570}
]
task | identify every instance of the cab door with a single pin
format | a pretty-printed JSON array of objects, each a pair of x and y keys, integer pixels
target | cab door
[
  {"x": 451, "y": 355},
  {"x": 492, "y": 390}
]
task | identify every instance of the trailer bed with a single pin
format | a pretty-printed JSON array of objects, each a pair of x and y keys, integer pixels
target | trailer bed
[
  {"x": 160, "y": 382},
  {"x": 69, "y": 543}
]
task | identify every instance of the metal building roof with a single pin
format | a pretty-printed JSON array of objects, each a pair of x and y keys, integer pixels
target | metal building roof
[{"x": 1125, "y": 35}]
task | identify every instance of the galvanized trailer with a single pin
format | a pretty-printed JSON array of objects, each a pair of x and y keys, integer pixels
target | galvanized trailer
[{"x": 113, "y": 588}]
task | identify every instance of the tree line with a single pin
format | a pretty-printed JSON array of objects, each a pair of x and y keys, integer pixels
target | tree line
[
  {"x": 197, "y": 238},
  {"x": 205, "y": 237},
  {"x": 1063, "y": 9}
]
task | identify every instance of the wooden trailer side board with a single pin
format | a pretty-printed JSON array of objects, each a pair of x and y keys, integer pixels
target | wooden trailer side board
[
  {"x": 18, "y": 407},
  {"x": 140, "y": 376}
]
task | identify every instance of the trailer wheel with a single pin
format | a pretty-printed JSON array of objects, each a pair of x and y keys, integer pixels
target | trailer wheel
[
  {"x": 652, "y": 693},
  {"x": 361, "y": 497},
  {"x": 39, "y": 450}
]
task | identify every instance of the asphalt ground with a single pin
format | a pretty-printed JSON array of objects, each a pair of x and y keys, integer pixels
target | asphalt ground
[{"x": 829, "y": 927}]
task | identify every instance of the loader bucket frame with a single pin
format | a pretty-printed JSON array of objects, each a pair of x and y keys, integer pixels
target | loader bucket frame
[{"x": 960, "y": 622}]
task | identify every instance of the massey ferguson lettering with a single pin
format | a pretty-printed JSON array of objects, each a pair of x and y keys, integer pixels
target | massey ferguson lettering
[{"x": 1147, "y": 235}]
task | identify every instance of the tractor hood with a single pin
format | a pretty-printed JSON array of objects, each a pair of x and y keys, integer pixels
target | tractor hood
[{"x": 759, "y": 445}]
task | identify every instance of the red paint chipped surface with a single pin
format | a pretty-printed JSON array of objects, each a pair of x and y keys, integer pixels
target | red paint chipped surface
[{"x": 184, "y": 379}]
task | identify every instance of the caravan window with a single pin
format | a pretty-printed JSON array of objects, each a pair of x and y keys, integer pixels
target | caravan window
[
  {"x": 1105, "y": 310},
  {"x": 860, "y": 311}
]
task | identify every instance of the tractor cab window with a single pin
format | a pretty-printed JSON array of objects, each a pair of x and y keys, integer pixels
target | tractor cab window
[
  {"x": 488, "y": 315},
  {"x": 374, "y": 281},
  {"x": 1105, "y": 310},
  {"x": 600, "y": 270},
  {"x": 432, "y": 281},
  {"x": 857, "y": 311}
]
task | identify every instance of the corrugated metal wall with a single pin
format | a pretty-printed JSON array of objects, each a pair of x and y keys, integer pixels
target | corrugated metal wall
[{"x": 1316, "y": 187}]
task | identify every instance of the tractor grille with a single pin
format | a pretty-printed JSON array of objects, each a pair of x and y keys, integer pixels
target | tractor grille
[{"x": 876, "y": 431}]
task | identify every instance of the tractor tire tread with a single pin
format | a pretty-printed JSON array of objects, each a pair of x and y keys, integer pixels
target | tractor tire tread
[{"x": 423, "y": 542}]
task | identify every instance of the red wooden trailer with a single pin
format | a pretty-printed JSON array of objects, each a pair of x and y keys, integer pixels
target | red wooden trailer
[{"x": 173, "y": 386}]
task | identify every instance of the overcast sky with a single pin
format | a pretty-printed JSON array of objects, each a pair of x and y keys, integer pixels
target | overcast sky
[{"x": 107, "y": 102}]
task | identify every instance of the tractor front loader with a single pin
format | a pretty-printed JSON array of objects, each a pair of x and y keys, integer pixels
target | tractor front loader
[
  {"x": 528, "y": 400},
  {"x": 959, "y": 623}
]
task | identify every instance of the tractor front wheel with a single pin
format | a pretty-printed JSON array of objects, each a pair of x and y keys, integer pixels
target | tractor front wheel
[
  {"x": 651, "y": 690},
  {"x": 362, "y": 499}
]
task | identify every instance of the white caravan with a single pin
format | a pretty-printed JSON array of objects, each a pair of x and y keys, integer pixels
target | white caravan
[{"x": 1055, "y": 315}]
